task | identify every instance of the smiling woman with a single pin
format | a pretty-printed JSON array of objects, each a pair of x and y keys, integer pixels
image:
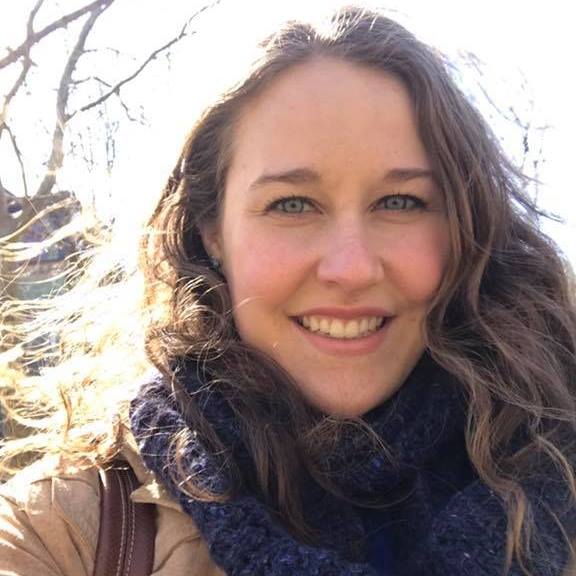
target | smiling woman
[{"x": 361, "y": 350}]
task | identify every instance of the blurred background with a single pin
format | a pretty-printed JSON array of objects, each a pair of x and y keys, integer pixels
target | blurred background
[{"x": 96, "y": 98}]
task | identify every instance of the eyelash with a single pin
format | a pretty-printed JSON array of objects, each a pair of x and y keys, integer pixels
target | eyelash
[
  {"x": 275, "y": 205},
  {"x": 414, "y": 203}
]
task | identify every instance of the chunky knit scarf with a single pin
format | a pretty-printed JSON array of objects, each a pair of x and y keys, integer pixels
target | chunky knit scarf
[{"x": 444, "y": 521}]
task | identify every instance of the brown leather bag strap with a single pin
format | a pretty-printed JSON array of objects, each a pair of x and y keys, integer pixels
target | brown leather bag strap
[{"x": 127, "y": 529}]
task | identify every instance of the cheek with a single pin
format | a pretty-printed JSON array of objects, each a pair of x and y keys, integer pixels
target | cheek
[
  {"x": 420, "y": 261},
  {"x": 261, "y": 267}
]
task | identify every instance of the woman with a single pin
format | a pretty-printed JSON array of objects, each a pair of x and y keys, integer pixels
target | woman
[{"x": 363, "y": 345}]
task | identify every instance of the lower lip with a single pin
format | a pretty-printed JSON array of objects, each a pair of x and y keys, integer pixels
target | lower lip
[{"x": 346, "y": 346}]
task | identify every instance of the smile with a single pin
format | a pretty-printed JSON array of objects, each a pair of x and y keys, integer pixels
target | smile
[{"x": 342, "y": 329}]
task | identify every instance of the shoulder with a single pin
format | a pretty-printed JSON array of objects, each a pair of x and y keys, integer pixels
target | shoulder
[{"x": 49, "y": 521}]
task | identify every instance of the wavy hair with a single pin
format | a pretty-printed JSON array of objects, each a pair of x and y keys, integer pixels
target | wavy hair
[{"x": 503, "y": 320}]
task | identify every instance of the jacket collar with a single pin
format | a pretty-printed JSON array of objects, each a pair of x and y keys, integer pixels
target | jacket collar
[{"x": 150, "y": 491}]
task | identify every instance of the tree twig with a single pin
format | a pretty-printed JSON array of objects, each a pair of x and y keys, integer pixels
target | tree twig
[
  {"x": 56, "y": 159},
  {"x": 14, "y": 55},
  {"x": 127, "y": 111},
  {"x": 95, "y": 78},
  {"x": 18, "y": 156},
  {"x": 31, "y": 17},
  {"x": 115, "y": 90},
  {"x": 26, "y": 65}
]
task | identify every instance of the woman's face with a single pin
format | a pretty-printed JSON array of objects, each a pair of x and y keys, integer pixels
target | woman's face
[{"x": 333, "y": 233}]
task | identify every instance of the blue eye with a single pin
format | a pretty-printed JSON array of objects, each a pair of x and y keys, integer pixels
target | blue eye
[
  {"x": 291, "y": 205},
  {"x": 401, "y": 202}
]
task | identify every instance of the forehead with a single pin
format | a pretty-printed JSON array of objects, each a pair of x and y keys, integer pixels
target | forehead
[{"x": 328, "y": 108}]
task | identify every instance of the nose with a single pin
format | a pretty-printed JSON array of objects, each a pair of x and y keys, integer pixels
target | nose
[{"x": 350, "y": 258}]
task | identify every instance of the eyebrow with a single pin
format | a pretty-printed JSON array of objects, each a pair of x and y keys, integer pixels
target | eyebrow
[
  {"x": 309, "y": 176},
  {"x": 295, "y": 176},
  {"x": 406, "y": 174}
]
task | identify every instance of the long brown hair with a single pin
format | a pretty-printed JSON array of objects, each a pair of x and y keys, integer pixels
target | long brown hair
[{"x": 503, "y": 321}]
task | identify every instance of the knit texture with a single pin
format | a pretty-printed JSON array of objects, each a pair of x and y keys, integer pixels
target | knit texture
[{"x": 444, "y": 521}]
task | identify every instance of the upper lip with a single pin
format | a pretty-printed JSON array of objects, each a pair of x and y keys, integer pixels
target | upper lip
[{"x": 344, "y": 313}]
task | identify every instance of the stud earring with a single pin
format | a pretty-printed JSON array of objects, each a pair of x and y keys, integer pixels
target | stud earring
[{"x": 215, "y": 264}]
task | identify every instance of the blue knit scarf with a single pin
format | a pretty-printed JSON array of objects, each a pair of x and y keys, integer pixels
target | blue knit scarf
[{"x": 446, "y": 522}]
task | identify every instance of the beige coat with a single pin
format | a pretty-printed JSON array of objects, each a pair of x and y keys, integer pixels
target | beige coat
[{"x": 49, "y": 525}]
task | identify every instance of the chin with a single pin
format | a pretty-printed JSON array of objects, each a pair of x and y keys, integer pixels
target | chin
[{"x": 348, "y": 405}]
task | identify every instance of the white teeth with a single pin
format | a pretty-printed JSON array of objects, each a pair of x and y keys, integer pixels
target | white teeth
[
  {"x": 343, "y": 329},
  {"x": 352, "y": 330},
  {"x": 337, "y": 329}
]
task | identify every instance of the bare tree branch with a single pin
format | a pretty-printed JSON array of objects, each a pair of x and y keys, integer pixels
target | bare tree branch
[
  {"x": 95, "y": 78},
  {"x": 115, "y": 90},
  {"x": 18, "y": 156},
  {"x": 510, "y": 115},
  {"x": 62, "y": 117},
  {"x": 127, "y": 111},
  {"x": 31, "y": 17},
  {"x": 26, "y": 65},
  {"x": 35, "y": 37},
  {"x": 22, "y": 55}
]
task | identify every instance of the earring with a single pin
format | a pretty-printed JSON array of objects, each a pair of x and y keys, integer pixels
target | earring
[{"x": 215, "y": 264}]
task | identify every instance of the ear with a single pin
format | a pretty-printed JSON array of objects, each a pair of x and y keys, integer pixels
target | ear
[{"x": 210, "y": 234}]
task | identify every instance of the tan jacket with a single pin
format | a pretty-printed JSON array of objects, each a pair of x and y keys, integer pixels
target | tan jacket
[{"x": 49, "y": 525}]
